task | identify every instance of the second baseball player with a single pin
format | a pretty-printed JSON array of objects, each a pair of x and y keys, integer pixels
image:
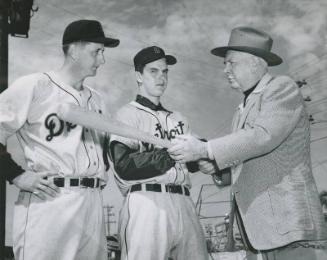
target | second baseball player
[{"x": 158, "y": 218}]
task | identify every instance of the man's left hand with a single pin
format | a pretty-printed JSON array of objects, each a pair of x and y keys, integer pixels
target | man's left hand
[{"x": 187, "y": 148}]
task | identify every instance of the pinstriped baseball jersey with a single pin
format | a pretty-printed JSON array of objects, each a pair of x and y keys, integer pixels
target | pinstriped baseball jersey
[
  {"x": 29, "y": 107},
  {"x": 162, "y": 124}
]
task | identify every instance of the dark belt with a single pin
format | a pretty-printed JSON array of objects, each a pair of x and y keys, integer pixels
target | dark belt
[
  {"x": 158, "y": 188},
  {"x": 75, "y": 182}
]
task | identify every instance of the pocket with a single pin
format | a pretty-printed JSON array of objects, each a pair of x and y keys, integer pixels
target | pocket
[
  {"x": 20, "y": 198},
  {"x": 290, "y": 206}
]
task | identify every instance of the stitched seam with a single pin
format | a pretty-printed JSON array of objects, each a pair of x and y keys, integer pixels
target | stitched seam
[
  {"x": 125, "y": 231},
  {"x": 25, "y": 229},
  {"x": 78, "y": 104}
]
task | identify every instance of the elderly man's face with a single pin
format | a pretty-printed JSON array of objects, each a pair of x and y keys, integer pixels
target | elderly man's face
[
  {"x": 242, "y": 70},
  {"x": 324, "y": 210}
]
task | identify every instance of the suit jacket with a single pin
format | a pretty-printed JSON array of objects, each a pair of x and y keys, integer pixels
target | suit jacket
[{"x": 269, "y": 152}]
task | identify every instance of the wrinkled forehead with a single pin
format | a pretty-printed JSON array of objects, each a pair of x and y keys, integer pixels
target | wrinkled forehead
[
  {"x": 238, "y": 55},
  {"x": 160, "y": 64},
  {"x": 94, "y": 45},
  {"x": 88, "y": 45}
]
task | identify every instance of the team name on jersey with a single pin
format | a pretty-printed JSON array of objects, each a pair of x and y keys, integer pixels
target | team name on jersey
[
  {"x": 56, "y": 126},
  {"x": 165, "y": 134},
  {"x": 169, "y": 134}
]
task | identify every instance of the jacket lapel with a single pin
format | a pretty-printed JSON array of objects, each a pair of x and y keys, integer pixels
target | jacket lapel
[
  {"x": 236, "y": 117},
  {"x": 252, "y": 99},
  {"x": 242, "y": 113}
]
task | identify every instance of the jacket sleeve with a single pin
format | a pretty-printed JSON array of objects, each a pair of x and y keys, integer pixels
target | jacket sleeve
[
  {"x": 280, "y": 110},
  {"x": 131, "y": 164},
  {"x": 8, "y": 166}
]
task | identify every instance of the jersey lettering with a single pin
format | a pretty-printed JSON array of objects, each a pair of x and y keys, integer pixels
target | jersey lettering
[
  {"x": 170, "y": 134},
  {"x": 148, "y": 147},
  {"x": 56, "y": 126}
]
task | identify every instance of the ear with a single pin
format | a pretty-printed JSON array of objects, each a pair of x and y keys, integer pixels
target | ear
[
  {"x": 138, "y": 76},
  {"x": 72, "y": 51}
]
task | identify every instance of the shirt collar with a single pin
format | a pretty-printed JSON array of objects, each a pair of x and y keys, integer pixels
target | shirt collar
[
  {"x": 248, "y": 92},
  {"x": 147, "y": 103}
]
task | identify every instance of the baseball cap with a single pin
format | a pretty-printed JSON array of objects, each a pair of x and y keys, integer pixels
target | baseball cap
[
  {"x": 87, "y": 31},
  {"x": 151, "y": 54}
]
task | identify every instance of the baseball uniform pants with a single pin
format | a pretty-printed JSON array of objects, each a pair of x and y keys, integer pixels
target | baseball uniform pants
[
  {"x": 67, "y": 227},
  {"x": 160, "y": 225}
]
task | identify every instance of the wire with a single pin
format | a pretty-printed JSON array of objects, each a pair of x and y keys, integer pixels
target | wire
[
  {"x": 304, "y": 66},
  {"x": 316, "y": 102},
  {"x": 319, "y": 163},
  {"x": 318, "y": 139}
]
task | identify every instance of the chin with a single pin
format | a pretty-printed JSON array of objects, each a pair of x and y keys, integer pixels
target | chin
[
  {"x": 160, "y": 92},
  {"x": 235, "y": 86}
]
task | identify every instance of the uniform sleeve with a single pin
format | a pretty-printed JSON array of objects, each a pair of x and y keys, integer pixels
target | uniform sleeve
[
  {"x": 127, "y": 116},
  {"x": 15, "y": 103},
  {"x": 104, "y": 140},
  {"x": 280, "y": 111},
  {"x": 131, "y": 164}
]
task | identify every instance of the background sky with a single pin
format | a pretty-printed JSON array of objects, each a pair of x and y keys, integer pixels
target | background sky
[{"x": 188, "y": 29}]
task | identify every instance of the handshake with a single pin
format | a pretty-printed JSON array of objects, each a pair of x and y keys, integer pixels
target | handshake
[{"x": 187, "y": 148}]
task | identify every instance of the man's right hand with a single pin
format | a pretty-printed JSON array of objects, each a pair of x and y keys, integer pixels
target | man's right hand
[
  {"x": 35, "y": 183},
  {"x": 207, "y": 167}
]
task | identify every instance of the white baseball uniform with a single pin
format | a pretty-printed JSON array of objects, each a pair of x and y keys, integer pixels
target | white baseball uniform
[
  {"x": 154, "y": 222},
  {"x": 69, "y": 226}
]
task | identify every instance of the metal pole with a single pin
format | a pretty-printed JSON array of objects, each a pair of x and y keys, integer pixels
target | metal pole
[{"x": 3, "y": 86}]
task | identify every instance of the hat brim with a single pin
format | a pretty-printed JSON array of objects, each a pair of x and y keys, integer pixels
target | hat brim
[
  {"x": 272, "y": 59},
  {"x": 108, "y": 42},
  {"x": 171, "y": 60}
]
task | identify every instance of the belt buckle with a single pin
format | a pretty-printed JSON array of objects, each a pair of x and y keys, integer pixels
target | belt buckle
[
  {"x": 84, "y": 182},
  {"x": 66, "y": 182},
  {"x": 80, "y": 182},
  {"x": 171, "y": 188},
  {"x": 168, "y": 188},
  {"x": 179, "y": 189}
]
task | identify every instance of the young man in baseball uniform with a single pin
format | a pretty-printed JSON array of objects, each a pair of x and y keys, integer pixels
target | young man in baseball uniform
[
  {"x": 58, "y": 214},
  {"x": 158, "y": 218}
]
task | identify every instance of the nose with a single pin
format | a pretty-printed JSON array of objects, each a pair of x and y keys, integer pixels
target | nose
[
  {"x": 102, "y": 59},
  {"x": 227, "y": 67},
  {"x": 162, "y": 77}
]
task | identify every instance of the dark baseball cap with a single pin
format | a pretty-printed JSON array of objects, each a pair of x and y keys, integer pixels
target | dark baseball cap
[
  {"x": 87, "y": 31},
  {"x": 151, "y": 54}
]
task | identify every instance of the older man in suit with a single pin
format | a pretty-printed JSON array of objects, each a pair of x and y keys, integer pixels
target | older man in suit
[{"x": 274, "y": 192}]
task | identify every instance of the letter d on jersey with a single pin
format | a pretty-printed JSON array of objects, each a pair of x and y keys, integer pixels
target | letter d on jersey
[{"x": 54, "y": 125}]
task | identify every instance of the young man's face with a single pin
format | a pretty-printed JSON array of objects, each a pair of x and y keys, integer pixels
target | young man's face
[
  {"x": 89, "y": 56},
  {"x": 154, "y": 79},
  {"x": 240, "y": 70}
]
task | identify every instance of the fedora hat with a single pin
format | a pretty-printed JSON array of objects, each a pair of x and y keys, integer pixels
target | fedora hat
[{"x": 250, "y": 40}]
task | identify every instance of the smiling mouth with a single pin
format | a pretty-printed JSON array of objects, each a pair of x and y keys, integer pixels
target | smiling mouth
[{"x": 230, "y": 79}]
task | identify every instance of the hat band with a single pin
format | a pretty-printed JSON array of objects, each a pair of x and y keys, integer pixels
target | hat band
[{"x": 249, "y": 42}]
